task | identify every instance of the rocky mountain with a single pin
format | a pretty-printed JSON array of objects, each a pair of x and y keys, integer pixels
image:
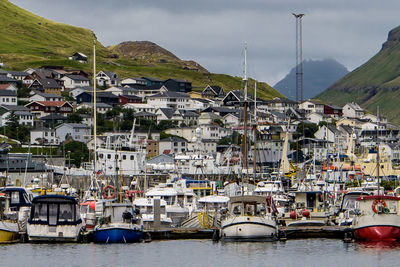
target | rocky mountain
[{"x": 318, "y": 76}]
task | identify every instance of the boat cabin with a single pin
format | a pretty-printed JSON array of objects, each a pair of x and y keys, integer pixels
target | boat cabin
[
  {"x": 247, "y": 205},
  {"x": 213, "y": 203},
  {"x": 371, "y": 205},
  {"x": 311, "y": 200},
  {"x": 55, "y": 210},
  {"x": 19, "y": 197}
]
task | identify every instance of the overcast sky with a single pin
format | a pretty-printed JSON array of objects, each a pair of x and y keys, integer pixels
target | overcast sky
[{"x": 212, "y": 32}]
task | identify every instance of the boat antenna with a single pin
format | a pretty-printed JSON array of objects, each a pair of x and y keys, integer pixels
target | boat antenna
[
  {"x": 94, "y": 108},
  {"x": 245, "y": 106},
  {"x": 378, "y": 164}
]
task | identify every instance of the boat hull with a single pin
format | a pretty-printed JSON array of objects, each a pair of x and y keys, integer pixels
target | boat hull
[
  {"x": 60, "y": 233},
  {"x": 9, "y": 232},
  {"x": 245, "y": 228},
  {"x": 117, "y": 235},
  {"x": 378, "y": 233},
  {"x": 8, "y": 237}
]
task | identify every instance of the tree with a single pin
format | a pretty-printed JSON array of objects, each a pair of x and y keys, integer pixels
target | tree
[
  {"x": 12, "y": 120},
  {"x": 74, "y": 118},
  {"x": 219, "y": 122},
  {"x": 306, "y": 128},
  {"x": 76, "y": 152},
  {"x": 165, "y": 125}
]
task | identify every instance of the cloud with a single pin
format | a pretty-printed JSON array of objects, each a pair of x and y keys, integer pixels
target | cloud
[{"x": 213, "y": 32}]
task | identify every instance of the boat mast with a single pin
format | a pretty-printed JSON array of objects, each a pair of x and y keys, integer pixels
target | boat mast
[
  {"x": 255, "y": 133},
  {"x": 378, "y": 165},
  {"x": 245, "y": 105},
  {"x": 94, "y": 108}
]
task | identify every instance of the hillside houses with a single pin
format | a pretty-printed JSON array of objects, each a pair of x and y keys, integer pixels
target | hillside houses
[{"x": 181, "y": 114}]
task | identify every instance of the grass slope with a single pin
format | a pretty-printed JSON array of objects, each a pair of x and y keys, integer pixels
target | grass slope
[
  {"x": 375, "y": 83},
  {"x": 32, "y": 41}
]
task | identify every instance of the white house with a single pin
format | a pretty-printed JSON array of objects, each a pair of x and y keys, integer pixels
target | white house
[
  {"x": 316, "y": 117},
  {"x": 175, "y": 100},
  {"x": 133, "y": 81},
  {"x": 231, "y": 120},
  {"x": 44, "y": 136},
  {"x": 77, "y": 131},
  {"x": 310, "y": 106},
  {"x": 107, "y": 78},
  {"x": 25, "y": 117},
  {"x": 172, "y": 145},
  {"x": 140, "y": 107},
  {"x": 8, "y": 97},
  {"x": 101, "y": 108},
  {"x": 39, "y": 96},
  {"x": 353, "y": 110},
  {"x": 73, "y": 81}
]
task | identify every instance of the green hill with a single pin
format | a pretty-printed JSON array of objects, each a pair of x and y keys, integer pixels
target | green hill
[
  {"x": 375, "y": 83},
  {"x": 28, "y": 40}
]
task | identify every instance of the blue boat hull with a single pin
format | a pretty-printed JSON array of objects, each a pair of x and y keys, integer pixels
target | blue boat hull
[{"x": 117, "y": 235}]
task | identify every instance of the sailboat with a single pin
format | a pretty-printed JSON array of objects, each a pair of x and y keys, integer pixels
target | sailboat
[{"x": 248, "y": 217}]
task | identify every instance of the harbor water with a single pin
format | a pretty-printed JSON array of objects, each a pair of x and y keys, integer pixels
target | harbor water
[{"x": 301, "y": 252}]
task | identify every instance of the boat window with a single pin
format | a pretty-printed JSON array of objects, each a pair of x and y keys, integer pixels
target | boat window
[
  {"x": 14, "y": 197},
  {"x": 189, "y": 199},
  {"x": 53, "y": 212},
  {"x": 40, "y": 212},
  {"x": 66, "y": 213}
]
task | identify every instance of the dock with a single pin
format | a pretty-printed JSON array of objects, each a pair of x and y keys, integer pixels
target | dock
[
  {"x": 181, "y": 233},
  {"x": 292, "y": 232}
]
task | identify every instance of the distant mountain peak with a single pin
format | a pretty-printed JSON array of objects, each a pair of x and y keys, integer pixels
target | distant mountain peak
[
  {"x": 318, "y": 75},
  {"x": 151, "y": 53}
]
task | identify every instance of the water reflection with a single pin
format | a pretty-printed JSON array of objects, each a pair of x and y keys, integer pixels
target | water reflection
[{"x": 378, "y": 245}]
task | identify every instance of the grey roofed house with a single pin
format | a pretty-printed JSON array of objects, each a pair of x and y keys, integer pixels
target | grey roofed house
[
  {"x": 14, "y": 108},
  {"x": 53, "y": 117},
  {"x": 278, "y": 115},
  {"x": 188, "y": 113},
  {"x": 18, "y": 73},
  {"x": 77, "y": 77},
  {"x": 3, "y": 72},
  {"x": 7, "y": 93},
  {"x": 168, "y": 112},
  {"x": 222, "y": 111},
  {"x": 76, "y": 125},
  {"x": 333, "y": 129},
  {"x": 163, "y": 158},
  {"x": 6, "y": 79},
  {"x": 49, "y": 83}
]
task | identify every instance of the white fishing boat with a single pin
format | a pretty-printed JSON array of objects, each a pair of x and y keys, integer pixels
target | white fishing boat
[
  {"x": 54, "y": 218},
  {"x": 248, "y": 219}
]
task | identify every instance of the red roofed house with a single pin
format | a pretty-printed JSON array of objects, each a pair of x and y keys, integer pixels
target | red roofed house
[
  {"x": 44, "y": 108},
  {"x": 8, "y": 86}
]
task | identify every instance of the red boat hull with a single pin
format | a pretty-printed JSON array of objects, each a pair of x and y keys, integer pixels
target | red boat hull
[{"x": 377, "y": 233}]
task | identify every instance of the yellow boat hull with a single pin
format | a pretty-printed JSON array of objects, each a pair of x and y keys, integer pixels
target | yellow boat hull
[{"x": 8, "y": 237}]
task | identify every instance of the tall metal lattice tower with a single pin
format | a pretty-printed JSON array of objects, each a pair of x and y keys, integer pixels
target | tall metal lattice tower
[{"x": 299, "y": 57}]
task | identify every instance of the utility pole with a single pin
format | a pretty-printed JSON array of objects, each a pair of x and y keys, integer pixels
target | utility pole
[{"x": 299, "y": 57}]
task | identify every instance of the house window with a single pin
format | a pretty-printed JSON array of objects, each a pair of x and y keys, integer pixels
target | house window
[
  {"x": 132, "y": 157},
  {"x": 108, "y": 156},
  {"x": 124, "y": 157}
]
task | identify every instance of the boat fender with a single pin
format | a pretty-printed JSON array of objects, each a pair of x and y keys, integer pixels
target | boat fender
[
  {"x": 105, "y": 193},
  {"x": 375, "y": 203}
]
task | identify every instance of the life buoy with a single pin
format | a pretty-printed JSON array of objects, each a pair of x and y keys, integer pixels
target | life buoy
[
  {"x": 105, "y": 193},
  {"x": 375, "y": 203}
]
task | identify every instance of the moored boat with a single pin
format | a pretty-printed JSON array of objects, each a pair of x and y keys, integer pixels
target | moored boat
[
  {"x": 378, "y": 218},
  {"x": 54, "y": 218},
  {"x": 248, "y": 220},
  {"x": 117, "y": 225}
]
